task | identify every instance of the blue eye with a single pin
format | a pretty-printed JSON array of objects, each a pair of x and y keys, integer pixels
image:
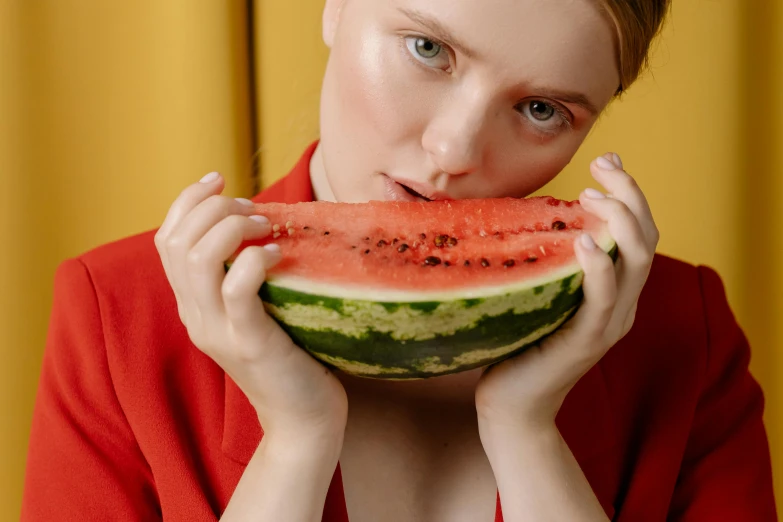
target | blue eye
[{"x": 427, "y": 52}]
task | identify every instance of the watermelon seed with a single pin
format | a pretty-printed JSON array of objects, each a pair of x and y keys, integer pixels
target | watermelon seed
[
  {"x": 531, "y": 259},
  {"x": 289, "y": 224},
  {"x": 353, "y": 247},
  {"x": 440, "y": 240},
  {"x": 326, "y": 233},
  {"x": 484, "y": 262},
  {"x": 432, "y": 261},
  {"x": 509, "y": 263},
  {"x": 366, "y": 238},
  {"x": 382, "y": 243},
  {"x": 275, "y": 235},
  {"x": 452, "y": 241},
  {"x": 542, "y": 249},
  {"x": 275, "y": 228},
  {"x": 367, "y": 251},
  {"x": 558, "y": 225},
  {"x": 402, "y": 248},
  {"x": 395, "y": 241},
  {"x": 446, "y": 263},
  {"x": 290, "y": 231},
  {"x": 424, "y": 236},
  {"x": 467, "y": 263},
  {"x": 306, "y": 228}
]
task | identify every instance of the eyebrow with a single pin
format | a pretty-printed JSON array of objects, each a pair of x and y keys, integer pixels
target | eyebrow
[{"x": 438, "y": 30}]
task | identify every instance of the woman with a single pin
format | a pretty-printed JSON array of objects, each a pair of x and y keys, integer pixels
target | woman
[{"x": 161, "y": 370}]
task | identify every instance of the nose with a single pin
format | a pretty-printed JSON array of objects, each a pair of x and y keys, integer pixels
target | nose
[{"x": 455, "y": 137}]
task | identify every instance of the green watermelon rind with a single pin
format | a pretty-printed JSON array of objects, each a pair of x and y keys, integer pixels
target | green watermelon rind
[
  {"x": 425, "y": 334},
  {"x": 402, "y": 340}
]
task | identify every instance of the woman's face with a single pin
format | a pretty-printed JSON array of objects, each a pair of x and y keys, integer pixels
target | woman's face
[{"x": 458, "y": 98}]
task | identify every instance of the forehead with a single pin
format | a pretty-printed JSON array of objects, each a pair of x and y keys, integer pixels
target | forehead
[{"x": 557, "y": 42}]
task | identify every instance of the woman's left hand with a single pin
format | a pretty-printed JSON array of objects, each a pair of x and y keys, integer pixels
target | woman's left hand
[{"x": 526, "y": 391}]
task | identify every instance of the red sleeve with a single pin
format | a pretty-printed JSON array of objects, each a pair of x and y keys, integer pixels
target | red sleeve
[
  {"x": 726, "y": 472},
  {"x": 83, "y": 461}
]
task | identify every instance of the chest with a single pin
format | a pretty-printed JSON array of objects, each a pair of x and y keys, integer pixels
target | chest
[{"x": 432, "y": 470}]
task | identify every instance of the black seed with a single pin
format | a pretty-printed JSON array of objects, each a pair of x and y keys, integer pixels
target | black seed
[
  {"x": 366, "y": 238},
  {"x": 452, "y": 241},
  {"x": 367, "y": 251},
  {"x": 402, "y": 248},
  {"x": 353, "y": 247},
  {"x": 440, "y": 240},
  {"x": 306, "y": 228},
  {"x": 326, "y": 233},
  {"x": 432, "y": 261},
  {"x": 484, "y": 262},
  {"x": 467, "y": 263},
  {"x": 531, "y": 259},
  {"x": 395, "y": 241},
  {"x": 424, "y": 236},
  {"x": 509, "y": 263},
  {"x": 558, "y": 225},
  {"x": 382, "y": 243},
  {"x": 446, "y": 263}
]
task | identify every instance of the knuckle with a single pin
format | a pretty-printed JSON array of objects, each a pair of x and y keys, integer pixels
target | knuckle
[
  {"x": 175, "y": 243},
  {"x": 196, "y": 258},
  {"x": 232, "y": 290},
  {"x": 627, "y": 181}
]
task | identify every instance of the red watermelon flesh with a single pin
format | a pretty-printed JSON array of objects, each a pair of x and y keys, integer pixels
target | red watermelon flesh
[{"x": 427, "y": 246}]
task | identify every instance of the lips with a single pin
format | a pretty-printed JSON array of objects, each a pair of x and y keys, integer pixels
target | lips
[{"x": 399, "y": 189}]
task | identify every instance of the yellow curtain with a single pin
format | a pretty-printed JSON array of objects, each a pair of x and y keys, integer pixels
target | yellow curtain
[{"x": 108, "y": 109}]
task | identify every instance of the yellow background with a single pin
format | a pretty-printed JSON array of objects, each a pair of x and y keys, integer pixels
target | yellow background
[{"x": 108, "y": 109}]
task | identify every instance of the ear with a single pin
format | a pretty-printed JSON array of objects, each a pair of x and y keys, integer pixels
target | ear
[{"x": 331, "y": 19}]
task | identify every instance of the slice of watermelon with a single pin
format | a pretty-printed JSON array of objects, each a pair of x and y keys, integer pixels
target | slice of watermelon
[{"x": 402, "y": 290}]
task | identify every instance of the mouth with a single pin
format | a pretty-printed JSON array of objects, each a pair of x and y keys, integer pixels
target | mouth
[
  {"x": 413, "y": 192},
  {"x": 407, "y": 190}
]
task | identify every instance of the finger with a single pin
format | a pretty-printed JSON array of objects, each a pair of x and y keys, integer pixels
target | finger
[
  {"x": 205, "y": 261},
  {"x": 635, "y": 259},
  {"x": 600, "y": 290},
  {"x": 241, "y": 285},
  {"x": 587, "y": 327},
  {"x": 622, "y": 186},
  {"x": 188, "y": 199},
  {"x": 623, "y": 227},
  {"x": 190, "y": 229},
  {"x": 210, "y": 184}
]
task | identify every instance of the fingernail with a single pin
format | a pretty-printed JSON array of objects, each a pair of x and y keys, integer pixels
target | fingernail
[
  {"x": 272, "y": 248},
  {"x": 245, "y": 201},
  {"x": 260, "y": 219},
  {"x": 209, "y": 178},
  {"x": 605, "y": 163},
  {"x": 594, "y": 194},
  {"x": 588, "y": 242},
  {"x": 617, "y": 161}
]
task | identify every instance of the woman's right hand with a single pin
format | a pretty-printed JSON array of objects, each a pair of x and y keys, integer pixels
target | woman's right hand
[{"x": 294, "y": 395}]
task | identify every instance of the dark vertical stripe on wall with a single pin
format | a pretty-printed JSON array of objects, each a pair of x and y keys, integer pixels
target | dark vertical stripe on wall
[
  {"x": 253, "y": 69},
  {"x": 761, "y": 106}
]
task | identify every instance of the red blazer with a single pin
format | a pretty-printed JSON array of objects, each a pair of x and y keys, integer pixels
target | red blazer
[{"x": 132, "y": 422}]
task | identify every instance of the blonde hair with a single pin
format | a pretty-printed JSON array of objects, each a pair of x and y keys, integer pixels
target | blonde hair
[{"x": 638, "y": 22}]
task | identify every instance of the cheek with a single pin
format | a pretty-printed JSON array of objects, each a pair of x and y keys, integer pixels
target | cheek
[
  {"x": 373, "y": 92},
  {"x": 530, "y": 165}
]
